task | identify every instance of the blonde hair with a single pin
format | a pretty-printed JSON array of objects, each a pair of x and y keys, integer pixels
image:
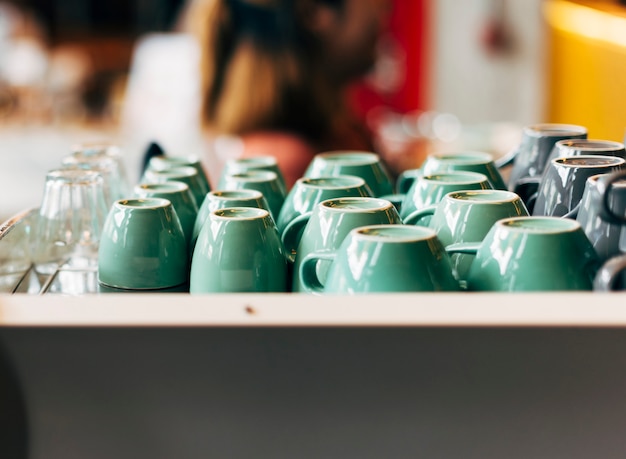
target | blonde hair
[{"x": 261, "y": 67}]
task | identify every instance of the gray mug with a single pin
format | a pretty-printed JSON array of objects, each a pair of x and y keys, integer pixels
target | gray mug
[
  {"x": 608, "y": 202},
  {"x": 532, "y": 156},
  {"x": 563, "y": 183},
  {"x": 602, "y": 212},
  {"x": 567, "y": 148}
]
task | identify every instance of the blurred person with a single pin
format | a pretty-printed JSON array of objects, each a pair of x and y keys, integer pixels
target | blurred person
[{"x": 274, "y": 74}]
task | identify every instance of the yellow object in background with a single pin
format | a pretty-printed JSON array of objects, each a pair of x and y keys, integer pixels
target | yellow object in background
[{"x": 587, "y": 66}]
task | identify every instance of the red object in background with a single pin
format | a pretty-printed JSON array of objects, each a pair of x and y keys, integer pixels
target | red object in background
[{"x": 399, "y": 82}]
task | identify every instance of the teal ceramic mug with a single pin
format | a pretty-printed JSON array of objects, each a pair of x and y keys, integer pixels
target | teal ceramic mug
[
  {"x": 143, "y": 246},
  {"x": 238, "y": 250},
  {"x": 469, "y": 161},
  {"x": 165, "y": 162},
  {"x": 428, "y": 190},
  {"x": 362, "y": 164},
  {"x": 467, "y": 216},
  {"x": 185, "y": 174},
  {"x": 531, "y": 254},
  {"x": 331, "y": 221},
  {"x": 308, "y": 192},
  {"x": 220, "y": 199},
  {"x": 262, "y": 163},
  {"x": 179, "y": 194},
  {"x": 382, "y": 258},
  {"x": 267, "y": 182}
]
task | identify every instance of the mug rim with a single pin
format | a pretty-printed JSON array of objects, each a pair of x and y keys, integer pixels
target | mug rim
[
  {"x": 554, "y": 130},
  {"x": 173, "y": 172},
  {"x": 619, "y": 183},
  {"x": 253, "y": 175},
  {"x": 477, "y": 176},
  {"x": 359, "y": 157},
  {"x": 401, "y": 234},
  {"x": 589, "y": 145},
  {"x": 264, "y": 160},
  {"x": 243, "y": 193},
  {"x": 376, "y": 204},
  {"x": 539, "y": 225},
  {"x": 178, "y": 161},
  {"x": 610, "y": 161},
  {"x": 351, "y": 181},
  {"x": 239, "y": 214},
  {"x": 142, "y": 204},
  {"x": 464, "y": 157},
  {"x": 499, "y": 196},
  {"x": 171, "y": 186}
]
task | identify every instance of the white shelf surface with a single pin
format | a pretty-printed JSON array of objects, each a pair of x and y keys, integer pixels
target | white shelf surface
[{"x": 557, "y": 309}]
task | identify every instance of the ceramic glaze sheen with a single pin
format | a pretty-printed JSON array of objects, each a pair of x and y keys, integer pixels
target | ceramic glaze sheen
[
  {"x": 534, "y": 254},
  {"x": 388, "y": 258},
  {"x": 143, "y": 246},
  {"x": 238, "y": 250},
  {"x": 366, "y": 165}
]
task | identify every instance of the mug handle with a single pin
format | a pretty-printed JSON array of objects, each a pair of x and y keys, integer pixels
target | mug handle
[
  {"x": 604, "y": 185},
  {"x": 405, "y": 180},
  {"x": 469, "y": 248},
  {"x": 573, "y": 214},
  {"x": 607, "y": 276},
  {"x": 527, "y": 188},
  {"x": 308, "y": 272},
  {"x": 292, "y": 234},
  {"x": 415, "y": 217},
  {"x": 507, "y": 160}
]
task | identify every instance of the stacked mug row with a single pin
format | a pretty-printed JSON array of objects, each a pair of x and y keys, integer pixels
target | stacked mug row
[{"x": 453, "y": 224}]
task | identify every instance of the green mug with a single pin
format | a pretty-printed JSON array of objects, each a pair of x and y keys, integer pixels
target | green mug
[
  {"x": 220, "y": 199},
  {"x": 428, "y": 190},
  {"x": 179, "y": 194},
  {"x": 330, "y": 222},
  {"x": 531, "y": 254},
  {"x": 185, "y": 174},
  {"x": 143, "y": 246},
  {"x": 467, "y": 216},
  {"x": 262, "y": 163},
  {"x": 164, "y": 162},
  {"x": 470, "y": 161},
  {"x": 267, "y": 182},
  {"x": 308, "y": 192},
  {"x": 238, "y": 250},
  {"x": 362, "y": 164},
  {"x": 382, "y": 258}
]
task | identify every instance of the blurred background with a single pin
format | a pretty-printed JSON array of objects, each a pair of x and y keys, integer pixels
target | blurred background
[{"x": 450, "y": 75}]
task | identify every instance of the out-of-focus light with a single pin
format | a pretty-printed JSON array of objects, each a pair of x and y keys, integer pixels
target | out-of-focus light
[
  {"x": 446, "y": 127},
  {"x": 585, "y": 21}
]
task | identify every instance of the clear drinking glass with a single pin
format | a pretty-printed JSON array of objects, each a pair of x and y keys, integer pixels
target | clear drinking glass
[
  {"x": 66, "y": 233},
  {"x": 105, "y": 159}
]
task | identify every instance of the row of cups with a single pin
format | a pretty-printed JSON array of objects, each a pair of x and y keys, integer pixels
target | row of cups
[{"x": 451, "y": 225}]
